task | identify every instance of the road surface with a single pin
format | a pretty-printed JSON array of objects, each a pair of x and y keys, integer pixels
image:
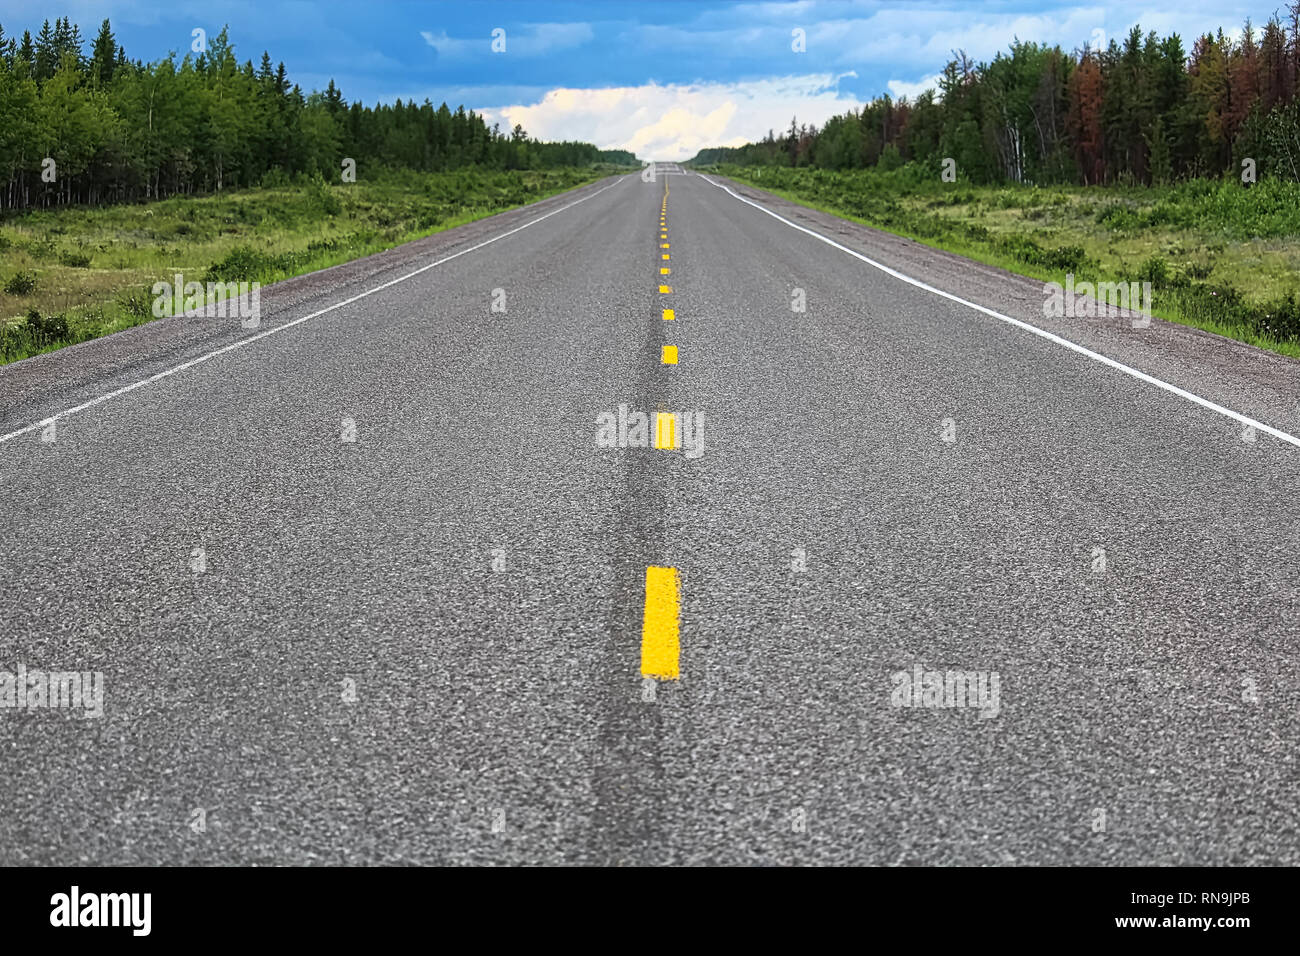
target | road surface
[{"x": 366, "y": 584}]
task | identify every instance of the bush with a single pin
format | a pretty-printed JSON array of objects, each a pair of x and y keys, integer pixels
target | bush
[
  {"x": 46, "y": 330},
  {"x": 21, "y": 283},
  {"x": 77, "y": 260},
  {"x": 1154, "y": 270},
  {"x": 241, "y": 264},
  {"x": 323, "y": 197},
  {"x": 275, "y": 178},
  {"x": 1063, "y": 258},
  {"x": 41, "y": 249},
  {"x": 1118, "y": 216},
  {"x": 137, "y": 304}
]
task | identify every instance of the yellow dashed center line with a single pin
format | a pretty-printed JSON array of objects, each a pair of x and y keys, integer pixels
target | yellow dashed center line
[
  {"x": 660, "y": 630},
  {"x": 665, "y": 431},
  {"x": 660, "y": 647}
]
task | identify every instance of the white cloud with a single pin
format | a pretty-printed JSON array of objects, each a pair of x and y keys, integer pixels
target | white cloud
[
  {"x": 900, "y": 88},
  {"x": 674, "y": 122}
]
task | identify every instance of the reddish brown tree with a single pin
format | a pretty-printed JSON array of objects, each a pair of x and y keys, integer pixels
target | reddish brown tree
[{"x": 1085, "y": 98}]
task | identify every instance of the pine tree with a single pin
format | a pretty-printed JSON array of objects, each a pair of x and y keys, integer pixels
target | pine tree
[
  {"x": 266, "y": 74},
  {"x": 103, "y": 54},
  {"x": 46, "y": 57},
  {"x": 334, "y": 99}
]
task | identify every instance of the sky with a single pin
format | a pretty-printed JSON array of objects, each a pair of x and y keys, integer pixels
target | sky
[{"x": 662, "y": 79}]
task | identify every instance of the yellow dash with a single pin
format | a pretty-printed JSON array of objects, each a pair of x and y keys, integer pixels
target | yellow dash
[
  {"x": 669, "y": 315},
  {"x": 665, "y": 289},
  {"x": 660, "y": 630},
  {"x": 665, "y": 255},
  {"x": 669, "y": 355},
  {"x": 664, "y": 272},
  {"x": 665, "y": 431},
  {"x": 664, "y": 246}
]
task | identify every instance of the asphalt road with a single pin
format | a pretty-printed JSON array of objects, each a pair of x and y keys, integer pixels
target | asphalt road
[{"x": 425, "y": 645}]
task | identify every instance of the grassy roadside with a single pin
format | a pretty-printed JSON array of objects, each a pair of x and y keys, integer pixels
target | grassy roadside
[
  {"x": 1219, "y": 257},
  {"x": 68, "y": 275}
]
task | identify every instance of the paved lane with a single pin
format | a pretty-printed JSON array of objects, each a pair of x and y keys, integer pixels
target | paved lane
[{"x": 426, "y": 644}]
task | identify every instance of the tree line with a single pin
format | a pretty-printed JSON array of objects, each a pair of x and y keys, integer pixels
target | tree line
[
  {"x": 1143, "y": 110},
  {"x": 94, "y": 126}
]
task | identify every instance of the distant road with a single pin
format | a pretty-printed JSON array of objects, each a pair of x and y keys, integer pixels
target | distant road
[{"x": 366, "y": 584}]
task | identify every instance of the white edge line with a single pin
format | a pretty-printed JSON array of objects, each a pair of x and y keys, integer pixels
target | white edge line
[
  {"x": 99, "y": 400},
  {"x": 1051, "y": 337}
]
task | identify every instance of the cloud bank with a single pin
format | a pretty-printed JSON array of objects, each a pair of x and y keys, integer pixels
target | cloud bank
[{"x": 673, "y": 122}]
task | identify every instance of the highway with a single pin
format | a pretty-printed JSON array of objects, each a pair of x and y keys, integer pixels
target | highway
[{"x": 378, "y": 582}]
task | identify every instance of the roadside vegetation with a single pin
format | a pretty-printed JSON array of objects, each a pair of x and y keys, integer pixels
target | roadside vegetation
[
  {"x": 1139, "y": 158},
  {"x": 69, "y": 274},
  {"x": 1219, "y": 256},
  {"x": 116, "y": 173}
]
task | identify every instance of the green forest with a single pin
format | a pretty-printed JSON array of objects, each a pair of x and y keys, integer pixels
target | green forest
[
  {"x": 1141, "y": 111},
  {"x": 122, "y": 130}
]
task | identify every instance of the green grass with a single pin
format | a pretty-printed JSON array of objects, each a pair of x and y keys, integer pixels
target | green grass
[
  {"x": 72, "y": 274},
  {"x": 1219, "y": 256}
]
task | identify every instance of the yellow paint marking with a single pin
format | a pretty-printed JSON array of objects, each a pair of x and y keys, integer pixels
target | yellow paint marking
[
  {"x": 665, "y": 431},
  {"x": 660, "y": 630},
  {"x": 665, "y": 289},
  {"x": 664, "y": 246},
  {"x": 669, "y": 355},
  {"x": 669, "y": 315},
  {"x": 664, "y": 272},
  {"x": 665, "y": 255}
]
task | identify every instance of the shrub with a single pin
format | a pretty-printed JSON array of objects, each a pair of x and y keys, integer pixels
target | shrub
[
  {"x": 137, "y": 304},
  {"x": 1117, "y": 216},
  {"x": 77, "y": 260},
  {"x": 1279, "y": 320},
  {"x": 1154, "y": 270},
  {"x": 241, "y": 264},
  {"x": 46, "y": 330},
  {"x": 21, "y": 283},
  {"x": 323, "y": 197}
]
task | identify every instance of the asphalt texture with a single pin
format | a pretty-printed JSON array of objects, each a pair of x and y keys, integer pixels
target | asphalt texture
[{"x": 423, "y": 645}]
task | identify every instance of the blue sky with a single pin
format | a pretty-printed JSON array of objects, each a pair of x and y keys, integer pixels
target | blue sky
[{"x": 660, "y": 78}]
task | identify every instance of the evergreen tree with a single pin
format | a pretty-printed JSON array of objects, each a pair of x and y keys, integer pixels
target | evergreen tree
[{"x": 103, "y": 54}]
